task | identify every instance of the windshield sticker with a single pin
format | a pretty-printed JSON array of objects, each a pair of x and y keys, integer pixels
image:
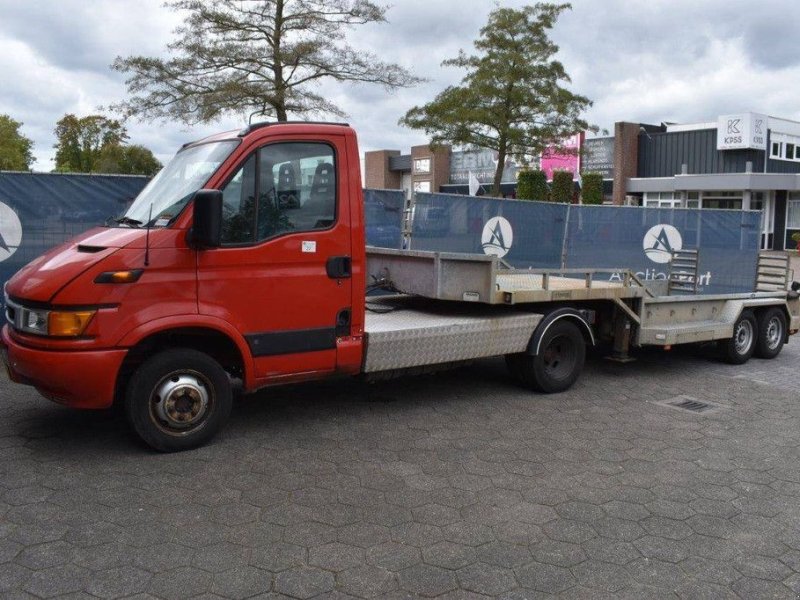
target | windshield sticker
[
  {"x": 162, "y": 222},
  {"x": 309, "y": 247}
]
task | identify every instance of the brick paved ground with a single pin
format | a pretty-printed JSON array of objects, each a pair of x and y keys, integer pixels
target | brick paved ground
[{"x": 456, "y": 485}]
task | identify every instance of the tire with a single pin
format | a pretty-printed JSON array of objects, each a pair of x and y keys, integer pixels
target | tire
[
  {"x": 771, "y": 333},
  {"x": 559, "y": 362},
  {"x": 738, "y": 349},
  {"x": 178, "y": 400}
]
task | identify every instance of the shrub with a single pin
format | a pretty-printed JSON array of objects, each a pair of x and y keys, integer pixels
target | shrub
[
  {"x": 563, "y": 187},
  {"x": 592, "y": 188},
  {"x": 532, "y": 185}
]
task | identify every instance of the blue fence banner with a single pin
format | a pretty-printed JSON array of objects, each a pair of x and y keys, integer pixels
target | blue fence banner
[
  {"x": 543, "y": 235},
  {"x": 39, "y": 211},
  {"x": 524, "y": 234},
  {"x": 383, "y": 216}
]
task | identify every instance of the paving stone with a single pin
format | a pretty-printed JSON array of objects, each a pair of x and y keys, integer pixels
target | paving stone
[
  {"x": 57, "y": 581},
  {"x": 561, "y": 554},
  {"x": 118, "y": 582},
  {"x": 336, "y": 556},
  {"x": 427, "y": 580},
  {"x": 366, "y": 581},
  {"x": 602, "y": 576},
  {"x": 483, "y": 578},
  {"x": 504, "y": 554},
  {"x": 242, "y": 582},
  {"x": 612, "y": 551},
  {"x": 393, "y": 556},
  {"x": 449, "y": 555},
  {"x": 278, "y": 557},
  {"x": 304, "y": 582},
  {"x": 545, "y": 578}
]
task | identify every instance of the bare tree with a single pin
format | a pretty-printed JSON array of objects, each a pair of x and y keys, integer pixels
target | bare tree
[{"x": 240, "y": 56}]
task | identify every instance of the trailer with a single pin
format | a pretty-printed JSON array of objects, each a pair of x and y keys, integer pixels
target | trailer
[{"x": 212, "y": 281}]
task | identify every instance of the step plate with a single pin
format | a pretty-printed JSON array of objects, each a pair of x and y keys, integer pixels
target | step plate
[{"x": 412, "y": 338}]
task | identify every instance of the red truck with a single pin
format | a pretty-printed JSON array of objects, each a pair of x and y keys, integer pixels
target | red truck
[{"x": 244, "y": 260}]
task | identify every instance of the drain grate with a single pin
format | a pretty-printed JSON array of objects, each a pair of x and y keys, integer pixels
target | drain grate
[{"x": 691, "y": 404}]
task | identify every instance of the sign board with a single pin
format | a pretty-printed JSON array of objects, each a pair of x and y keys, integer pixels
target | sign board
[
  {"x": 598, "y": 157},
  {"x": 741, "y": 131},
  {"x": 564, "y": 157},
  {"x": 482, "y": 164}
]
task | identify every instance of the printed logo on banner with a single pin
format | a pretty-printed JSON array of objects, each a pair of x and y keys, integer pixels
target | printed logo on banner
[
  {"x": 497, "y": 237},
  {"x": 660, "y": 242},
  {"x": 10, "y": 232}
]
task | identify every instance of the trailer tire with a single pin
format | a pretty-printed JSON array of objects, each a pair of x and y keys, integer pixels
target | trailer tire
[
  {"x": 178, "y": 399},
  {"x": 771, "y": 333},
  {"x": 559, "y": 362},
  {"x": 738, "y": 349}
]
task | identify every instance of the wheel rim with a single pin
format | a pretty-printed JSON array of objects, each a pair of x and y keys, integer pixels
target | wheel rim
[
  {"x": 560, "y": 357},
  {"x": 181, "y": 402},
  {"x": 774, "y": 333},
  {"x": 743, "y": 337}
]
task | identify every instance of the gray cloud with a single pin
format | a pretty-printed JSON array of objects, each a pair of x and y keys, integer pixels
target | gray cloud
[{"x": 654, "y": 60}]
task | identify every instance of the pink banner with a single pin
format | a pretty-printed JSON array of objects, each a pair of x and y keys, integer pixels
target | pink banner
[{"x": 566, "y": 157}]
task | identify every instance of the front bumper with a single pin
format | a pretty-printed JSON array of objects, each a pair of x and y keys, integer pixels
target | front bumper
[{"x": 83, "y": 379}]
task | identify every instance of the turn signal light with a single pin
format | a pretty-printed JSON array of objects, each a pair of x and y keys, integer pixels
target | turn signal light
[
  {"x": 68, "y": 323},
  {"x": 119, "y": 276}
]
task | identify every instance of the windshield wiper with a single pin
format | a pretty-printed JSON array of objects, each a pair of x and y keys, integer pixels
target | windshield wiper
[{"x": 128, "y": 221}]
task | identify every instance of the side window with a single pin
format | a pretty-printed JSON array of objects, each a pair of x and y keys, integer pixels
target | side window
[
  {"x": 296, "y": 192},
  {"x": 238, "y": 205}
]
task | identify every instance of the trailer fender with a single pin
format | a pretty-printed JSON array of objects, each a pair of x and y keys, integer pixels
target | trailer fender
[{"x": 582, "y": 317}]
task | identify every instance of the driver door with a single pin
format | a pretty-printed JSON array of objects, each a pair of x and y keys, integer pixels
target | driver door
[{"x": 282, "y": 274}]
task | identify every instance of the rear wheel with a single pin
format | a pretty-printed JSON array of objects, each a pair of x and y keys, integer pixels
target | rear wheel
[
  {"x": 178, "y": 399},
  {"x": 562, "y": 354},
  {"x": 738, "y": 349},
  {"x": 771, "y": 333}
]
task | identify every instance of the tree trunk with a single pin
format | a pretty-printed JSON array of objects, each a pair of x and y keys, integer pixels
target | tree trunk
[
  {"x": 501, "y": 165},
  {"x": 277, "y": 69}
]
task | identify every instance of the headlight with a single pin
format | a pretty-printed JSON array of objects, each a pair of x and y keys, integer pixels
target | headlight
[
  {"x": 58, "y": 323},
  {"x": 33, "y": 321}
]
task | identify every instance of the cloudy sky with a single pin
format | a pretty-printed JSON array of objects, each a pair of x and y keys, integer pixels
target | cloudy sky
[{"x": 639, "y": 60}]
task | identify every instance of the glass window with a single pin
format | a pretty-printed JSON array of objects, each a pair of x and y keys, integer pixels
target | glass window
[
  {"x": 776, "y": 149},
  {"x": 422, "y": 186},
  {"x": 793, "y": 211},
  {"x": 422, "y": 165},
  {"x": 296, "y": 185},
  {"x": 790, "y": 151},
  {"x": 169, "y": 191}
]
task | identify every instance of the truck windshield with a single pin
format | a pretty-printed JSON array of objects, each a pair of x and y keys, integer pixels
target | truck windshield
[{"x": 169, "y": 191}]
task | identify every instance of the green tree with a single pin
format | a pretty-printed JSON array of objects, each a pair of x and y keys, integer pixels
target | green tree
[
  {"x": 563, "y": 187},
  {"x": 592, "y": 188},
  {"x": 15, "y": 148},
  {"x": 511, "y": 99},
  {"x": 81, "y": 141},
  {"x": 532, "y": 185},
  {"x": 128, "y": 160},
  {"x": 239, "y": 56}
]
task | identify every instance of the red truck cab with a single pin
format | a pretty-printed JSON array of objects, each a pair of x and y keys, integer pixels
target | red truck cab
[{"x": 242, "y": 259}]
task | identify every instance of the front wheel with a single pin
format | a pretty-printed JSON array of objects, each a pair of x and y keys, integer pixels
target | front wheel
[
  {"x": 771, "y": 333},
  {"x": 178, "y": 399},
  {"x": 560, "y": 360},
  {"x": 738, "y": 349}
]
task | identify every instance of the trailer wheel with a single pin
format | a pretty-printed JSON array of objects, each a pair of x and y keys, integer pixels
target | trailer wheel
[
  {"x": 559, "y": 362},
  {"x": 178, "y": 399},
  {"x": 771, "y": 333},
  {"x": 738, "y": 349}
]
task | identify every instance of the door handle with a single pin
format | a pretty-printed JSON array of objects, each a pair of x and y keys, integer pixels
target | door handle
[{"x": 339, "y": 267}]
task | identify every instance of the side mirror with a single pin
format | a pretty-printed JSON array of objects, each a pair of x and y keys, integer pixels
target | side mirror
[{"x": 207, "y": 220}]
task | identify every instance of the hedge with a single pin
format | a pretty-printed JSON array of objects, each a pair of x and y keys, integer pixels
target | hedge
[
  {"x": 532, "y": 185},
  {"x": 563, "y": 187},
  {"x": 592, "y": 188}
]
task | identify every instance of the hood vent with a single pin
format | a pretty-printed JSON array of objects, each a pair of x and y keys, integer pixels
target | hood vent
[{"x": 89, "y": 249}]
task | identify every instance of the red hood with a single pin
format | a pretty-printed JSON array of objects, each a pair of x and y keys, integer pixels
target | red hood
[{"x": 41, "y": 279}]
